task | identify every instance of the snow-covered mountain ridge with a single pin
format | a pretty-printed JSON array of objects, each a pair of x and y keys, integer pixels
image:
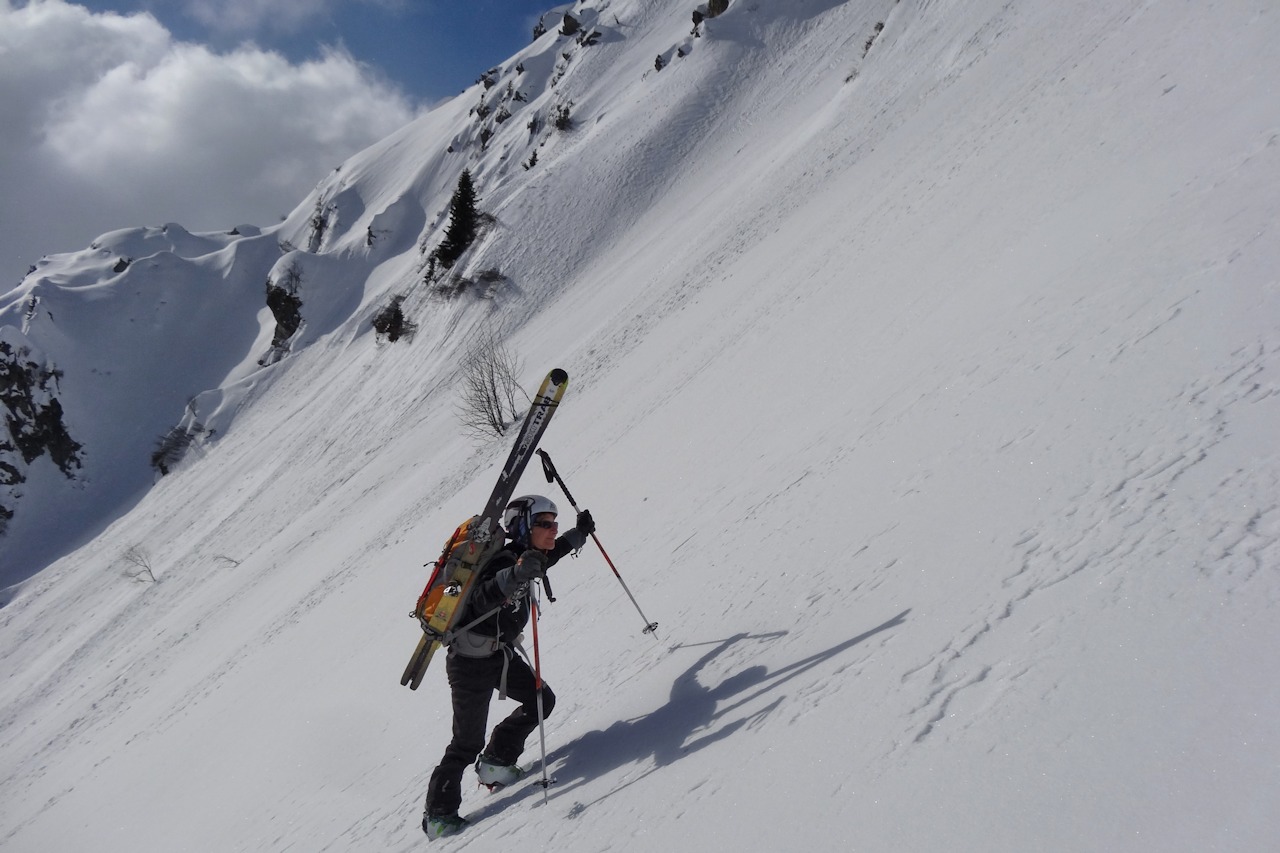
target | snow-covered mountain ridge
[
  {"x": 365, "y": 233},
  {"x": 924, "y": 392}
]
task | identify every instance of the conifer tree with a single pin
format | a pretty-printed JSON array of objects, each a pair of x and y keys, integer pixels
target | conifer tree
[{"x": 461, "y": 232}]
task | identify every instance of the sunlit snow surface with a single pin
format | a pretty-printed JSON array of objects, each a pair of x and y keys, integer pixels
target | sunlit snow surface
[{"x": 925, "y": 394}]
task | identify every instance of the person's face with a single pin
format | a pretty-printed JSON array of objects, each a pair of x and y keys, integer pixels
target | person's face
[{"x": 543, "y": 535}]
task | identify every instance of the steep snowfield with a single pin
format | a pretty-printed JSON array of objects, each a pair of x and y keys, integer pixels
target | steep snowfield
[{"x": 927, "y": 398}]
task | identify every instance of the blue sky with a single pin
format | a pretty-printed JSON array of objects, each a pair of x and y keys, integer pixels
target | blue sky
[{"x": 429, "y": 48}]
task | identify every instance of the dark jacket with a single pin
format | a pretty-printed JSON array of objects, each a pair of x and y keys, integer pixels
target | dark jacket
[{"x": 506, "y": 601}]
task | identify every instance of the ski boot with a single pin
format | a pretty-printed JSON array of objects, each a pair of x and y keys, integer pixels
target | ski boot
[
  {"x": 495, "y": 775},
  {"x": 441, "y": 825}
]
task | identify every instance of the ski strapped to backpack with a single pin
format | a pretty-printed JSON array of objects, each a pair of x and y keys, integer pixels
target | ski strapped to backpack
[{"x": 477, "y": 539}]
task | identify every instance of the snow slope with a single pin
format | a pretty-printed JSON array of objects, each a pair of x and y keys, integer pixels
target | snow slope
[{"x": 925, "y": 394}]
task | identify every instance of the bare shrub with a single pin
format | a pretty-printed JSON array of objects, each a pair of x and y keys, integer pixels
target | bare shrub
[
  {"x": 490, "y": 388},
  {"x": 139, "y": 565}
]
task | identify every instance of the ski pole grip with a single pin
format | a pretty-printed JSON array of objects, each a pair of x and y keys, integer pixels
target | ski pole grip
[{"x": 554, "y": 477}]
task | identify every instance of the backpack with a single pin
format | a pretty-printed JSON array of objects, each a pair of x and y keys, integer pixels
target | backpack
[
  {"x": 441, "y": 574},
  {"x": 446, "y": 593}
]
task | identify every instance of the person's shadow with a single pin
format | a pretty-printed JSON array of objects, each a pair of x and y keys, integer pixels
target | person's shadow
[{"x": 692, "y": 718}]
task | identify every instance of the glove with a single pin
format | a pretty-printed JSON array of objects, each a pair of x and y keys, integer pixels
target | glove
[
  {"x": 530, "y": 566},
  {"x": 586, "y": 524}
]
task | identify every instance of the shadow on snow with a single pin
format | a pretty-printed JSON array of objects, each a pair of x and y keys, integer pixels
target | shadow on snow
[{"x": 694, "y": 717}]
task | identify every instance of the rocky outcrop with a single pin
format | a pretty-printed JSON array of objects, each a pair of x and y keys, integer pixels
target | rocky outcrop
[{"x": 32, "y": 420}]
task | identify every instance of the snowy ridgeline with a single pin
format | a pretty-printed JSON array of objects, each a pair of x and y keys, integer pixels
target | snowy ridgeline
[{"x": 923, "y": 362}]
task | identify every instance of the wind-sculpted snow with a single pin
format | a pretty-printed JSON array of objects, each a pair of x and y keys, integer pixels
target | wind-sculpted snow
[{"x": 923, "y": 386}]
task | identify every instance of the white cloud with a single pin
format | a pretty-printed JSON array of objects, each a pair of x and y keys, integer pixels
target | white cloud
[{"x": 110, "y": 123}]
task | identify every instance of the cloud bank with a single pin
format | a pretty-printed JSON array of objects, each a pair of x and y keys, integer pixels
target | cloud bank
[{"x": 110, "y": 122}]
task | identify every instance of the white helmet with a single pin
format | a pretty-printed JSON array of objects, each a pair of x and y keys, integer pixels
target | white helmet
[{"x": 519, "y": 515}]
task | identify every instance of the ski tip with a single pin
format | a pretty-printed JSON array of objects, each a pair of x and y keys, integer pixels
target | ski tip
[{"x": 559, "y": 377}]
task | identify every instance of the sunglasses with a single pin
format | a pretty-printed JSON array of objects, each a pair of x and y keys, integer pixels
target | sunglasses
[{"x": 547, "y": 525}]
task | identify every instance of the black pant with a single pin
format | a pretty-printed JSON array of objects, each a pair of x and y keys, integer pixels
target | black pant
[{"x": 472, "y": 682}]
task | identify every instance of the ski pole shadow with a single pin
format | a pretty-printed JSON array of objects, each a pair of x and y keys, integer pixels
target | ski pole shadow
[{"x": 693, "y": 717}]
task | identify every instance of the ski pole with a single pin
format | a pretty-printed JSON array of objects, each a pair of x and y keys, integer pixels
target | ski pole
[
  {"x": 537, "y": 682},
  {"x": 553, "y": 477}
]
